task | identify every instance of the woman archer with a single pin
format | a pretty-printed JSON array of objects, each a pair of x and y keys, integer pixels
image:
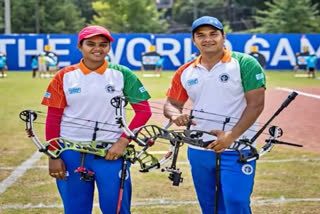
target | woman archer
[{"x": 85, "y": 91}]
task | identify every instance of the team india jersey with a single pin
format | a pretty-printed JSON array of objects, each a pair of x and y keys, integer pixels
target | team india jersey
[
  {"x": 86, "y": 97},
  {"x": 219, "y": 93}
]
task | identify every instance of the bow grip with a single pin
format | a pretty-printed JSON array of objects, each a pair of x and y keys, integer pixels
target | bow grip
[{"x": 206, "y": 143}]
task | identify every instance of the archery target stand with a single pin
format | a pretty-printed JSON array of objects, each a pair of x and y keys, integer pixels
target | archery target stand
[
  {"x": 151, "y": 64},
  {"x": 301, "y": 75},
  {"x": 46, "y": 75},
  {"x": 151, "y": 75}
]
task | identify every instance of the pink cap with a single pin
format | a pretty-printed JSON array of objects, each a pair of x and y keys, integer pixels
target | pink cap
[{"x": 91, "y": 31}]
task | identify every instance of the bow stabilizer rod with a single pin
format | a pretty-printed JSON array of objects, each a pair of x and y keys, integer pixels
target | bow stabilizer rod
[{"x": 283, "y": 106}]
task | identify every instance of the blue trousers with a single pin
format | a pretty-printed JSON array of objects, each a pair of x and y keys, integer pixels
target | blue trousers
[
  {"x": 236, "y": 181},
  {"x": 77, "y": 195}
]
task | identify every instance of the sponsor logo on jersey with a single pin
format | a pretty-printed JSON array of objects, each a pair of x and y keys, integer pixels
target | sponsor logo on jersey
[
  {"x": 142, "y": 89},
  {"x": 74, "y": 90},
  {"x": 47, "y": 95},
  {"x": 192, "y": 82},
  {"x": 259, "y": 76},
  {"x": 224, "y": 78},
  {"x": 110, "y": 88},
  {"x": 247, "y": 169}
]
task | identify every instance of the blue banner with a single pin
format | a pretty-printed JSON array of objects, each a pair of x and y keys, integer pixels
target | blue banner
[{"x": 279, "y": 50}]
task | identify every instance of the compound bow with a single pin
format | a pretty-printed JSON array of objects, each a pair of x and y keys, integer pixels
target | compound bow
[
  {"x": 147, "y": 135},
  {"x": 54, "y": 150}
]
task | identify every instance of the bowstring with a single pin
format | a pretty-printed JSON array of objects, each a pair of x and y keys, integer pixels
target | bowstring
[
  {"x": 77, "y": 125},
  {"x": 185, "y": 108},
  {"x": 153, "y": 107},
  {"x": 231, "y": 124},
  {"x": 76, "y": 118},
  {"x": 83, "y": 126}
]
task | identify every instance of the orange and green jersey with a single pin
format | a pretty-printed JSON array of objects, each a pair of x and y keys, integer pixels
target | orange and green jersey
[
  {"x": 86, "y": 95},
  {"x": 220, "y": 91}
]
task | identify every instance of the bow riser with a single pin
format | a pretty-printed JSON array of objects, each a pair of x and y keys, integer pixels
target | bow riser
[
  {"x": 56, "y": 146},
  {"x": 85, "y": 147}
]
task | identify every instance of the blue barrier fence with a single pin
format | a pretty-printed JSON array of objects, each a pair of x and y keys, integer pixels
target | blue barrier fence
[{"x": 278, "y": 49}]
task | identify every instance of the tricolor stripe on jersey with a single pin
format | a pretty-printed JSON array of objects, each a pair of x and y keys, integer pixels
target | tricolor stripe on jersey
[
  {"x": 220, "y": 91},
  {"x": 86, "y": 95}
]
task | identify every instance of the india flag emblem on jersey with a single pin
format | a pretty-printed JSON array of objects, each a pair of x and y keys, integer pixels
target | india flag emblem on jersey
[
  {"x": 142, "y": 89},
  {"x": 259, "y": 76},
  {"x": 47, "y": 95}
]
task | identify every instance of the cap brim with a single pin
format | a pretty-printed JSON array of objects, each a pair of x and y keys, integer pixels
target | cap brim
[
  {"x": 207, "y": 25},
  {"x": 96, "y": 34}
]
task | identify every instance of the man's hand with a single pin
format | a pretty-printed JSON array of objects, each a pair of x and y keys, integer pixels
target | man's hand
[
  {"x": 173, "y": 110},
  {"x": 181, "y": 120},
  {"x": 223, "y": 141},
  {"x": 255, "y": 104},
  {"x": 117, "y": 149},
  {"x": 57, "y": 169}
]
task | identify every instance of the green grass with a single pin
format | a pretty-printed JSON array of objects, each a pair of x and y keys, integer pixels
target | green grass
[
  {"x": 273, "y": 180},
  {"x": 287, "y": 79}
]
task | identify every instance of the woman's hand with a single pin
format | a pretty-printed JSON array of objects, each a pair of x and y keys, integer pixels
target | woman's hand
[
  {"x": 117, "y": 149},
  {"x": 57, "y": 169}
]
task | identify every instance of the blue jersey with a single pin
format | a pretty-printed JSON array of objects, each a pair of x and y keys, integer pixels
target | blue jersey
[
  {"x": 160, "y": 61},
  {"x": 3, "y": 61},
  {"x": 34, "y": 63},
  {"x": 311, "y": 61}
]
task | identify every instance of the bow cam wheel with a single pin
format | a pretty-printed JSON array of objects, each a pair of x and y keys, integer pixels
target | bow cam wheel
[
  {"x": 26, "y": 115},
  {"x": 117, "y": 101}
]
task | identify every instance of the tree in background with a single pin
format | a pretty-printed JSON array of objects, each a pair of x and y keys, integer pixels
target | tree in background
[
  {"x": 86, "y": 9},
  {"x": 289, "y": 16},
  {"x": 23, "y": 16},
  {"x": 2, "y": 16},
  {"x": 134, "y": 16},
  {"x": 184, "y": 12},
  {"x": 50, "y": 16},
  {"x": 237, "y": 14}
]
